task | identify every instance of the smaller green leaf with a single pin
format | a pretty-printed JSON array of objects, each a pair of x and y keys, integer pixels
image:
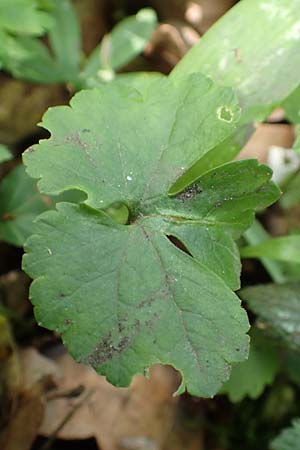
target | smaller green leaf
[
  {"x": 20, "y": 203},
  {"x": 250, "y": 378},
  {"x": 278, "y": 307},
  {"x": 255, "y": 235},
  {"x": 28, "y": 59},
  {"x": 141, "y": 81},
  {"x": 224, "y": 152},
  {"x": 291, "y": 195},
  {"x": 5, "y": 154},
  {"x": 65, "y": 39},
  {"x": 291, "y": 364},
  {"x": 24, "y": 17},
  {"x": 286, "y": 248},
  {"x": 127, "y": 40},
  {"x": 289, "y": 438},
  {"x": 296, "y": 145},
  {"x": 291, "y": 106}
]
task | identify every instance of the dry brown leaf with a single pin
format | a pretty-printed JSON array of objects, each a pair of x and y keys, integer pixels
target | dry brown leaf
[
  {"x": 10, "y": 373},
  {"x": 22, "y": 106},
  {"x": 169, "y": 43},
  {"x": 139, "y": 417},
  {"x": 23, "y": 427},
  {"x": 37, "y": 370},
  {"x": 23, "y": 411},
  {"x": 183, "y": 439},
  {"x": 266, "y": 136},
  {"x": 93, "y": 21},
  {"x": 201, "y": 14},
  {"x": 36, "y": 375},
  {"x": 204, "y": 13},
  {"x": 14, "y": 291}
]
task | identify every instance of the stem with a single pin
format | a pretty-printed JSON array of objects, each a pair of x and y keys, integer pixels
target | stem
[{"x": 257, "y": 234}]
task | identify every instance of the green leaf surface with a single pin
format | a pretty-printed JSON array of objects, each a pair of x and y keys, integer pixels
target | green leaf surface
[
  {"x": 28, "y": 59},
  {"x": 127, "y": 40},
  {"x": 183, "y": 121},
  {"x": 24, "y": 17},
  {"x": 296, "y": 145},
  {"x": 5, "y": 154},
  {"x": 123, "y": 296},
  {"x": 122, "y": 328},
  {"x": 65, "y": 39},
  {"x": 291, "y": 106},
  {"x": 278, "y": 307},
  {"x": 250, "y": 378},
  {"x": 255, "y": 235},
  {"x": 286, "y": 248},
  {"x": 291, "y": 364},
  {"x": 291, "y": 195},
  {"x": 20, "y": 203},
  {"x": 289, "y": 438},
  {"x": 224, "y": 152},
  {"x": 255, "y": 47}
]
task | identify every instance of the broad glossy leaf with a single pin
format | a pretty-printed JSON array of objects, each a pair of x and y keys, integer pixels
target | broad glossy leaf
[
  {"x": 255, "y": 47},
  {"x": 124, "y": 296},
  {"x": 24, "y": 17},
  {"x": 5, "y": 154},
  {"x": 20, "y": 204},
  {"x": 289, "y": 438},
  {"x": 250, "y": 378},
  {"x": 286, "y": 248},
  {"x": 127, "y": 40},
  {"x": 278, "y": 307}
]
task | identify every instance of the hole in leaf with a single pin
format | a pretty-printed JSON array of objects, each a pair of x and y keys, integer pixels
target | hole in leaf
[{"x": 175, "y": 241}]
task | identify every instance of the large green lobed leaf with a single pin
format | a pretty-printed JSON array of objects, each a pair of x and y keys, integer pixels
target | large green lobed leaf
[
  {"x": 148, "y": 139},
  {"x": 123, "y": 296}
]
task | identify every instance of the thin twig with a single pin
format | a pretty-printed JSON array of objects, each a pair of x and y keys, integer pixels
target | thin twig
[{"x": 53, "y": 436}]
